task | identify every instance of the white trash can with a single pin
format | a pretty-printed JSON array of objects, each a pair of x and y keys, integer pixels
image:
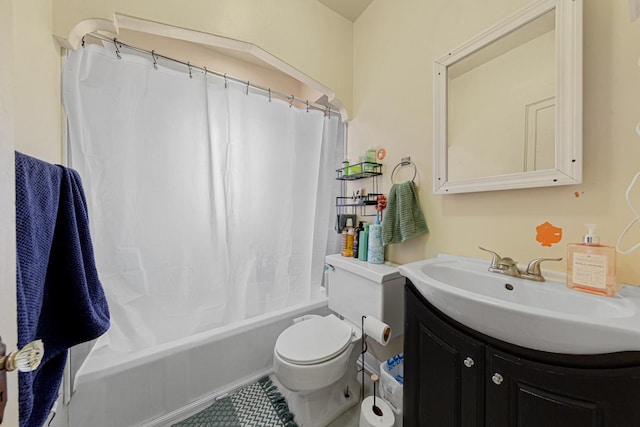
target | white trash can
[{"x": 391, "y": 380}]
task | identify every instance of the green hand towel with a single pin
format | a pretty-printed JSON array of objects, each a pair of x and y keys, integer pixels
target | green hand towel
[{"x": 404, "y": 219}]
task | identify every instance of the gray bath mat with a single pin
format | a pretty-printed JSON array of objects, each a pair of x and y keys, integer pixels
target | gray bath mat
[{"x": 258, "y": 404}]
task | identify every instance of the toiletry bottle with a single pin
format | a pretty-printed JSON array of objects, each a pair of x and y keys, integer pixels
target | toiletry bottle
[
  {"x": 348, "y": 250},
  {"x": 591, "y": 267},
  {"x": 345, "y": 168},
  {"x": 356, "y": 239},
  {"x": 375, "y": 251},
  {"x": 364, "y": 243},
  {"x": 343, "y": 241},
  {"x": 370, "y": 157}
]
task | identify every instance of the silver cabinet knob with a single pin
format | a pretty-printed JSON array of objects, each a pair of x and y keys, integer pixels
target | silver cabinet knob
[
  {"x": 497, "y": 379},
  {"x": 468, "y": 362}
]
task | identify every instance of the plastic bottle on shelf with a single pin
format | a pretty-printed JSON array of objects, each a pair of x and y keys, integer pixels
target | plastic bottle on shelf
[
  {"x": 375, "y": 251},
  {"x": 356, "y": 239},
  {"x": 348, "y": 245},
  {"x": 343, "y": 241},
  {"x": 363, "y": 243},
  {"x": 345, "y": 168},
  {"x": 370, "y": 157}
]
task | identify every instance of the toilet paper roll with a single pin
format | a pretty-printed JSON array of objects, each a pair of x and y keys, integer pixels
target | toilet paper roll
[
  {"x": 379, "y": 331},
  {"x": 368, "y": 418}
]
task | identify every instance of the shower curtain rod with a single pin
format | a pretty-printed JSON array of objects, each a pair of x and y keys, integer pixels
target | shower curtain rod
[{"x": 291, "y": 98}]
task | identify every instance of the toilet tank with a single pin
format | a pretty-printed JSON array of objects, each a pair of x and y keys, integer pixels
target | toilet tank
[{"x": 356, "y": 288}]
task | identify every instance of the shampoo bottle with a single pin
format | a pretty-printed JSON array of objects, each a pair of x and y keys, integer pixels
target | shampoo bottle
[
  {"x": 364, "y": 243},
  {"x": 348, "y": 250},
  {"x": 375, "y": 251},
  {"x": 591, "y": 267},
  {"x": 356, "y": 239}
]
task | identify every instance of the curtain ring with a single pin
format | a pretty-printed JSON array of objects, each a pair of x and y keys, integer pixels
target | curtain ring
[
  {"x": 153, "y": 55},
  {"x": 189, "y": 65},
  {"x": 269, "y": 94},
  {"x": 115, "y": 43},
  {"x": 82, "y": 41},
  {"x": 225, "y": 79},
  {"x": 291, "y": 101},
  {"x": 247, "y": 90},
  {"x": 307, "y": 105},
  {"x": 205, "y": 71}
]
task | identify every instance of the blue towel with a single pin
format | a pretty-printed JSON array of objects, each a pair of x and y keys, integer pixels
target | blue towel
[{"x": 59, "y": 296}]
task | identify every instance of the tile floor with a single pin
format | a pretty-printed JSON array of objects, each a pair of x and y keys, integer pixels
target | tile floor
[{"x": 351, "y": 418}]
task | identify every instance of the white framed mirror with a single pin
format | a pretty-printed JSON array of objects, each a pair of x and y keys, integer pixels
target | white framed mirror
[{"x": 508, "y": 104}]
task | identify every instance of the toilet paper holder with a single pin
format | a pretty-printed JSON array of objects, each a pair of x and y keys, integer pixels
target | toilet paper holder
[{"x": 382, "y": 338}]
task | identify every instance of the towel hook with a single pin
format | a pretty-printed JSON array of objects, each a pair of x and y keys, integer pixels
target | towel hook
[{"x": 405, "y": 161}]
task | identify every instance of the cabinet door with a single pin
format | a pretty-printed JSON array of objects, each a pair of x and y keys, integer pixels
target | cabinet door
[
  {"x": 444, "y": 370},
  {"x": 527, "y": 394}
]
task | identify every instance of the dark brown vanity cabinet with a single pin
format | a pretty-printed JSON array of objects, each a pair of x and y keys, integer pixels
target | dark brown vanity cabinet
[{"x": 457, "y": 377}]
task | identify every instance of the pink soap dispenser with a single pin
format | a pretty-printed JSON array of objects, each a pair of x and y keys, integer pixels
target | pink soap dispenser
[{"x": 591, "y": 267}]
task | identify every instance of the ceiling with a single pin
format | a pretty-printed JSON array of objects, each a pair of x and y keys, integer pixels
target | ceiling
[{"x": 350, "y": 9}]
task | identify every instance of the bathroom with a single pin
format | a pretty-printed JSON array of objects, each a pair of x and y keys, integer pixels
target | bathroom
[{"x": 380, "y": 66}]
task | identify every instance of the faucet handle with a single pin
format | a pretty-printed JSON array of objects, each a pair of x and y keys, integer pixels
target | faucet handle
[
  {"x": 507, "y": 262},
  {"x": 534, "y": 266},
  {"x": 496, "y": 259}
]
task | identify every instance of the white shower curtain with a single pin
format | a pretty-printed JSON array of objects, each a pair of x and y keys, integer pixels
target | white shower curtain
[{"x": 207, "y": 205}]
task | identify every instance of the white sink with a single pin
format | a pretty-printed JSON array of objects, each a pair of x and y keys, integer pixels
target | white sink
[{"x": 544, "y": 316}]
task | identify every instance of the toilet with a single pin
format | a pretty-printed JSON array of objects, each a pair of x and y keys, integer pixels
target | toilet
[{"x": 315, "y": 358}]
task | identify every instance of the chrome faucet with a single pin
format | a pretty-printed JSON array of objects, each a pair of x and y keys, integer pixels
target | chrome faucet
[{"x": 509, "y": 267}]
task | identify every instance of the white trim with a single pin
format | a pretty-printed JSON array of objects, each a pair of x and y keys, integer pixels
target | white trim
[
  {"x": 74, "y": 40},
  {"x": 568, "y": 168}
]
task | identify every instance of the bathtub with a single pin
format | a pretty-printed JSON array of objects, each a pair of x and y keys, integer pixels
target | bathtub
[{"x": 162, "y": 385}]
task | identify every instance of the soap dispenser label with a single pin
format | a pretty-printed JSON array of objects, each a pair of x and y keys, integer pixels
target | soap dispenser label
[{"x": 590, "y": 270}]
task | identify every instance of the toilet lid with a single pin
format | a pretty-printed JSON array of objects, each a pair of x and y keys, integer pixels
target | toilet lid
[{"x": 314, "y": 341}]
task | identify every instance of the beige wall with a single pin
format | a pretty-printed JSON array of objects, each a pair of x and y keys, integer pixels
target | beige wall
[
  {"x": 30, "y": 123},
  {"x": 303, "y": 33},
  {"x": 36, "y": 78},
  {"x": 8, "y": 328},
  {"x": 395, "y": 43},
  {"x": 259, "y": 72}
]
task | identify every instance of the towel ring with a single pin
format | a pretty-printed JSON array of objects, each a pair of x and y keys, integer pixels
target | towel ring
[{"x": 406, "y": 161}]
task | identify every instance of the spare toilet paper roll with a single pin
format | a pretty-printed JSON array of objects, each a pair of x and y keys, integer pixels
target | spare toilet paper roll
[
  {"x": 368, "y": 418},
  {"x": 379, "y": 331}
]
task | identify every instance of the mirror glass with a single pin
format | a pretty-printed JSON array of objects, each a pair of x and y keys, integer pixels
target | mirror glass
[{"x": 507, "y": 107}]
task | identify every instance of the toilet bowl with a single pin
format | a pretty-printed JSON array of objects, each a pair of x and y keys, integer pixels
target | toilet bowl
[
  {"x": 314, "y": 353},
  {"x": 311, "y": 359},
  {"x": 315, "y": 358}
]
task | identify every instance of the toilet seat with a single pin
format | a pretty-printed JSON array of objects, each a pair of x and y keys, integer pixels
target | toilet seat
[{"x": 314, "y": 341}]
